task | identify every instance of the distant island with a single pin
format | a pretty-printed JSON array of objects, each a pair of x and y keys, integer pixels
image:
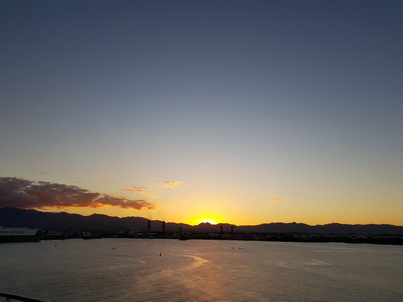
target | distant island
[{"x": 64, "y": 225}]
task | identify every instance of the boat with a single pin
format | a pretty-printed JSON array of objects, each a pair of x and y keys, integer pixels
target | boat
[{"x": 19, "y": 234}]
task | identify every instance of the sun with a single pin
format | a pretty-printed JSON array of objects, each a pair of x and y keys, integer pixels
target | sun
[
  {"x": 205, "y": 215},
  {"x": 207, "y": 220}
]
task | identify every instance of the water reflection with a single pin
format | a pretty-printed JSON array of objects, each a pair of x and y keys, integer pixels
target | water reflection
[{"x": 193, "y": 270}]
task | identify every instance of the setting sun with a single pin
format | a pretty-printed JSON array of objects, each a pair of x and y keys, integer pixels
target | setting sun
[{"x": 206, "y": 220}]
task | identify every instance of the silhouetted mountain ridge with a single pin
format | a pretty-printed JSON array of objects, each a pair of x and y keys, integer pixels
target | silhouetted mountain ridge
[
  {"x": 13, "y": 217},
  {"x": 294, "y": 227}
]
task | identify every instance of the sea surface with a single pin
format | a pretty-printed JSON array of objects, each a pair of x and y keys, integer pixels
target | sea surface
[{"x": 109, "y": 270}]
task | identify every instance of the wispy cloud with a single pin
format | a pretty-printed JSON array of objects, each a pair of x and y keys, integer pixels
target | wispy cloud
[
  {"x": 276, "y": 200},
  {"x": 26, "y": 194},
  {"x": 142, "y": 190},
  {"x": 172, "y": 183},
  {"x": 137, "y": 189}
]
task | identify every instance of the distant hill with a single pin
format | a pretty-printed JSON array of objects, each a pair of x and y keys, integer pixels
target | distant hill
[
  {"x": 13, "y": 217},
  {"x": 335, "y": 228}
]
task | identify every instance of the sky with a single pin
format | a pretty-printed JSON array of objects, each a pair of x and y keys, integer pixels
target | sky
[{"x": 242, "y": 112}]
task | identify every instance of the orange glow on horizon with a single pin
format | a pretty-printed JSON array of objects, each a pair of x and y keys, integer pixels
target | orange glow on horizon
[{"x": 207, "y": 220}]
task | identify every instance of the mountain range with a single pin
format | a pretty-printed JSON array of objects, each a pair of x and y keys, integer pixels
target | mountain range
[{"x": 13, "y": 217}]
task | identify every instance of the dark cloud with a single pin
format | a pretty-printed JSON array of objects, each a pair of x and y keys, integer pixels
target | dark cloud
[{"x": 26, "y": 194}]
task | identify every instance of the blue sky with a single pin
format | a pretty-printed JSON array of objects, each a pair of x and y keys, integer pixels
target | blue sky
[{"x": 259, "y": 110}]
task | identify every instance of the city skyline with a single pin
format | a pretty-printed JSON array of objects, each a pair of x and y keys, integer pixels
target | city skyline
[{"x": 189, "y": 111}]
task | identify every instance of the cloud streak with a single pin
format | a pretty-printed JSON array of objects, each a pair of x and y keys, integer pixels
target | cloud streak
[
  {"x": 27, "y": 194},
  {"x": 276, "y": 200},
  {"x": 137, "y": 189},
  {"x": 172, "y": 183},
  {"x": 142, "y": 190}
]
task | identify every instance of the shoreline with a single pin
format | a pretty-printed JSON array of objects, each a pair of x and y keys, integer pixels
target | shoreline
[{"x": 382, "y": 239}]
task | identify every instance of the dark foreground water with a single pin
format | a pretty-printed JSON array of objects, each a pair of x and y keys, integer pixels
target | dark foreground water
[{"x": 133, "y": 270}]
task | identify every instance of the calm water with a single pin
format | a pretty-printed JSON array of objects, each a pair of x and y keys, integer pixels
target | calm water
[{"x": 132, "y": 270}]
